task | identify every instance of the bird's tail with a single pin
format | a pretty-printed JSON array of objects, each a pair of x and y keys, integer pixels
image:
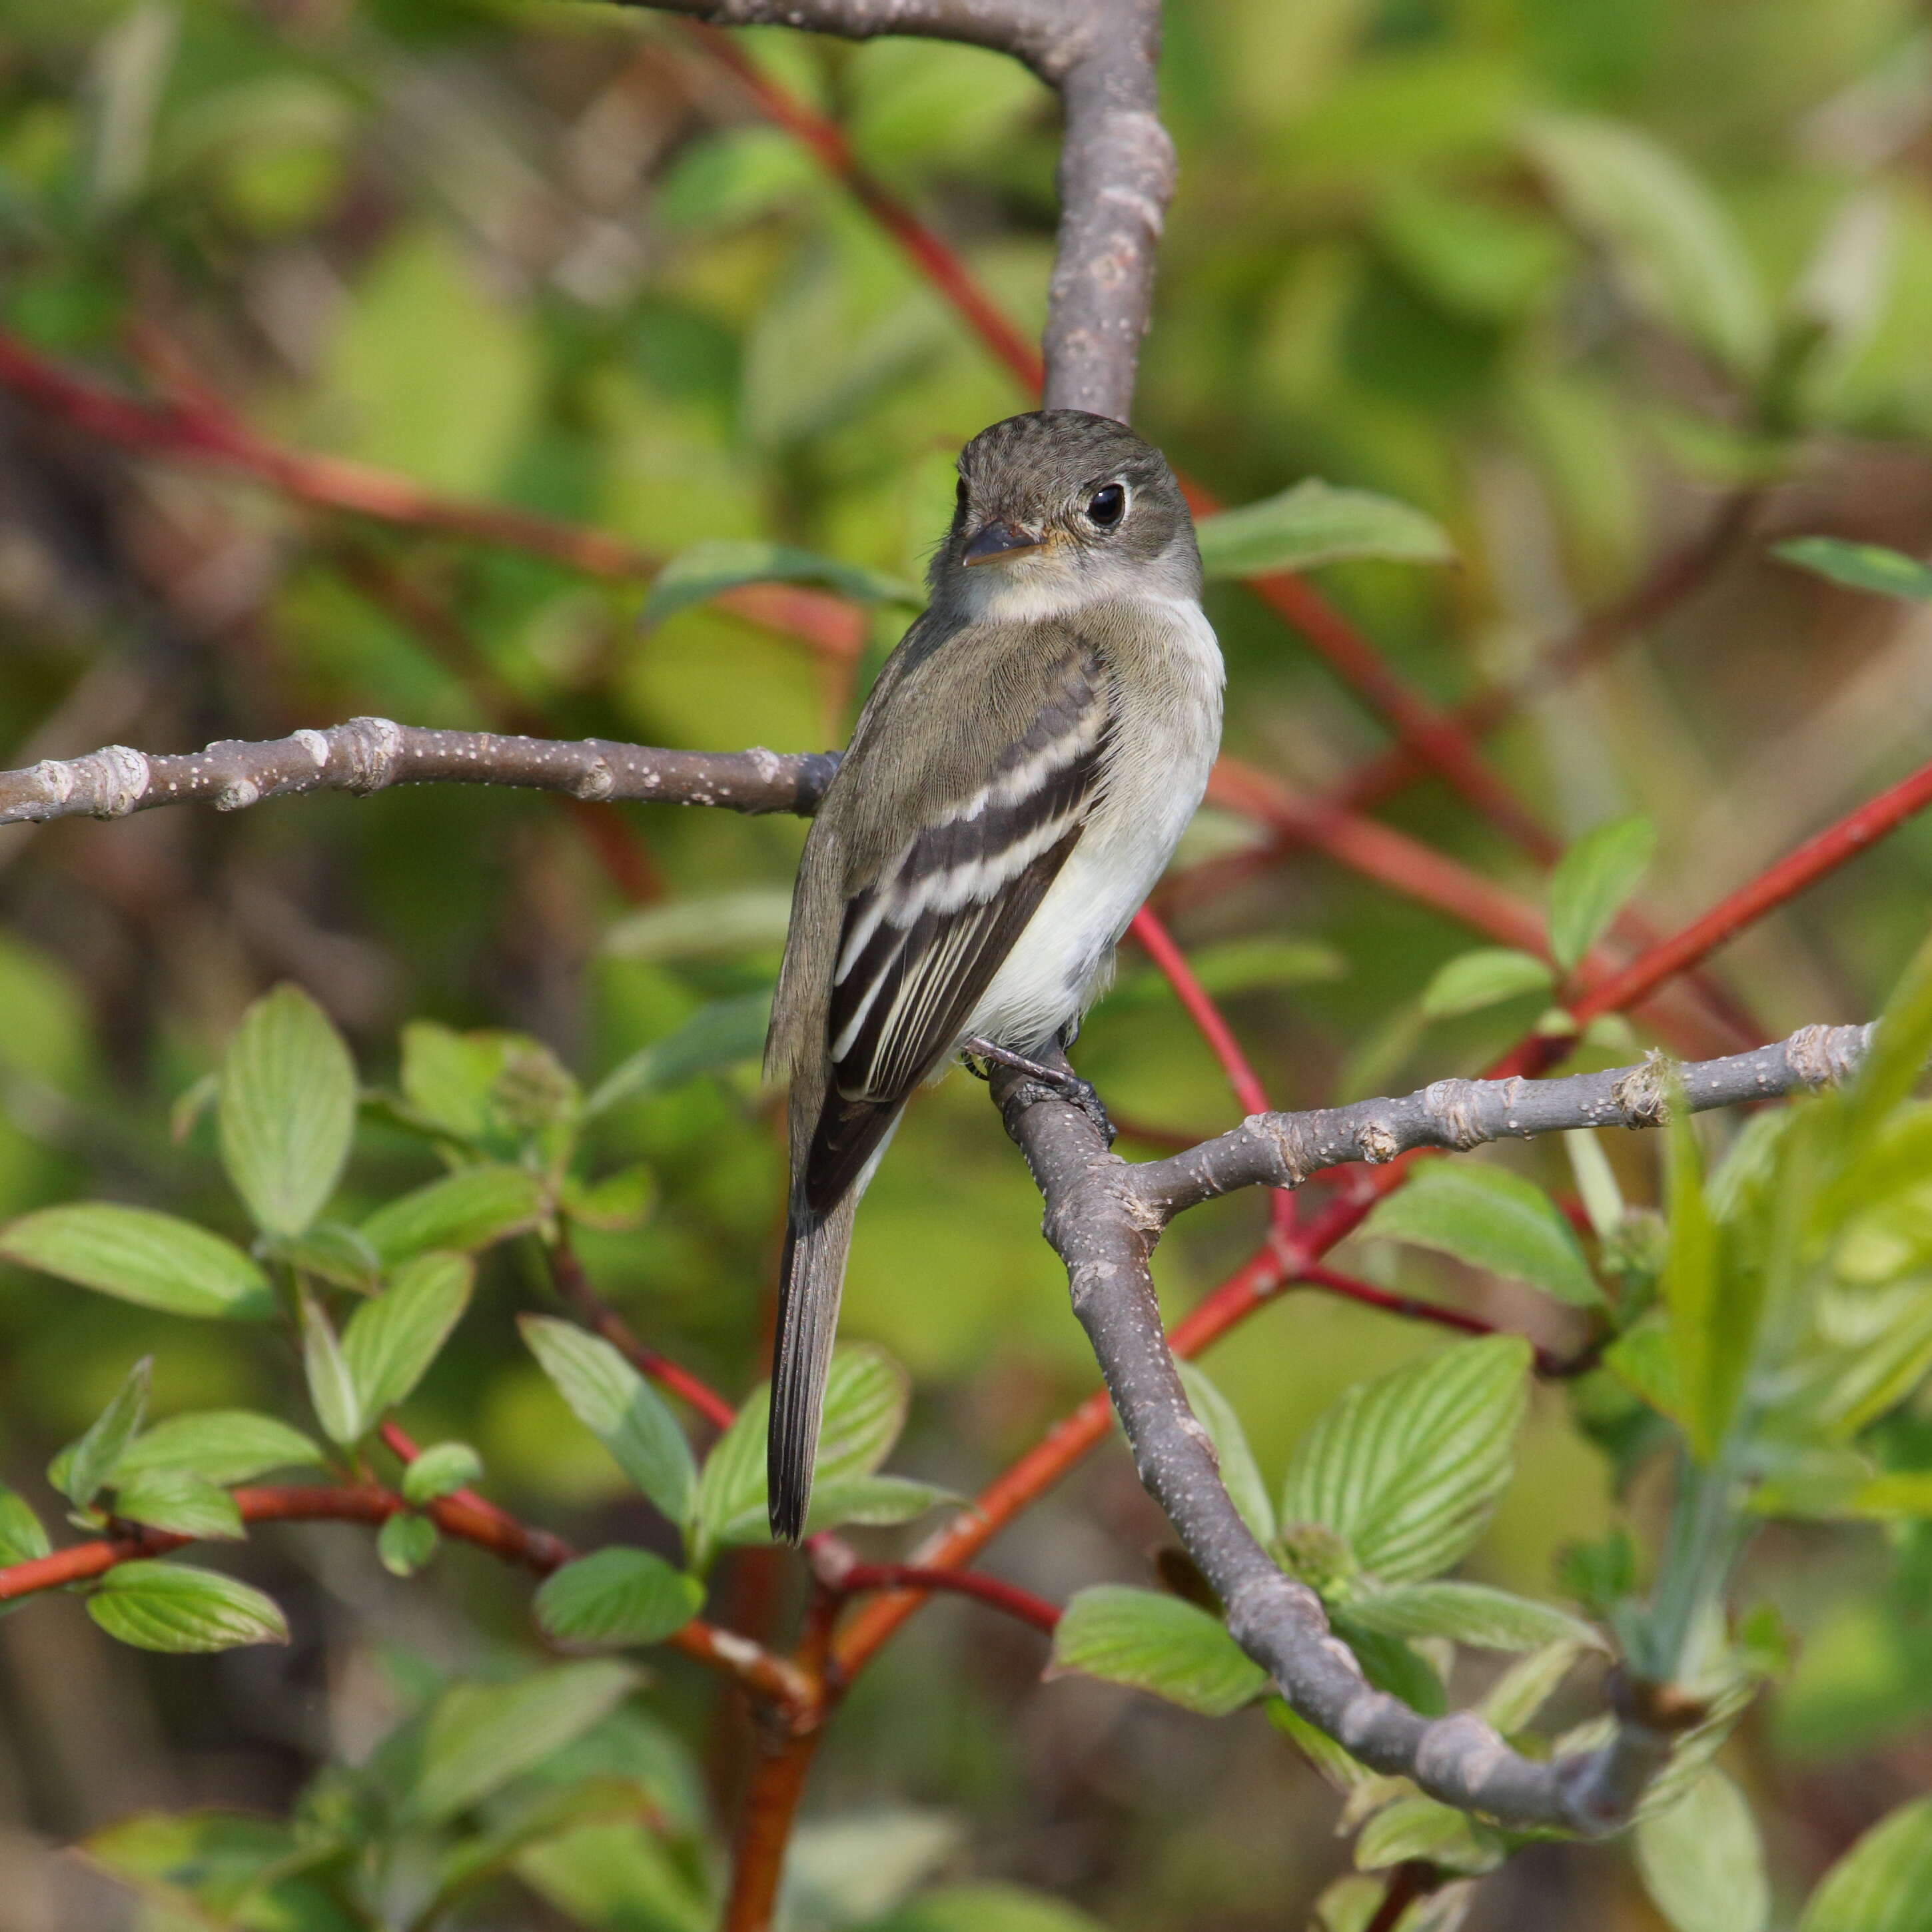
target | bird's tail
[{"x": 810, "y": 1276}]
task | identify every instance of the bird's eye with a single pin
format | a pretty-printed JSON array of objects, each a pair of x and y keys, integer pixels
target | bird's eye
[{"x": 1107, "y": 506}]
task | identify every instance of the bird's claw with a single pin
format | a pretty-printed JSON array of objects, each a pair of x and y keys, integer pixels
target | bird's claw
[
  {"x": 1040, "y": 1083},
  {"x": 1072, "y": 1090}
]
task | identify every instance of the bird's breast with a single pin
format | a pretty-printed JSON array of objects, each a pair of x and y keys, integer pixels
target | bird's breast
[{"x": 1164, "y": 733}]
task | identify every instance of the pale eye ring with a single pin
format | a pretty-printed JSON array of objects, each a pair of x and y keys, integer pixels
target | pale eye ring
[{"x": 1107, "y": 505}]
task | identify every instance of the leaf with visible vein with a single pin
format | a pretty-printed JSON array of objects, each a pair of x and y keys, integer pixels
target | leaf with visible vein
[
  {"x": 174, "y": 1607},
  {"x": 136, "y": 1255},
  {"x": 1409, "y": 1468},
  {"x": 1158, "y": 1644},
  {"x": 287, "y": 1110}
]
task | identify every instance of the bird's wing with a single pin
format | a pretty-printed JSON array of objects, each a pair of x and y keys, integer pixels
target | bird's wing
[{"x": 923, "y": 935}]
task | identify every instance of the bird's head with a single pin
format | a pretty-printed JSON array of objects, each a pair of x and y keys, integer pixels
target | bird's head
[{"x": 1057, "y": 508}]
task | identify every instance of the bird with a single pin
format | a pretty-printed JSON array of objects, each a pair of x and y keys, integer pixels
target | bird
[{"x": 1016, "y": 782}]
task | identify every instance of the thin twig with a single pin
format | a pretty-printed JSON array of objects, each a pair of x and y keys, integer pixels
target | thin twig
[
  {"x": 573, "y": 1285},
  {"x": 1284, "y": 1149},
  {"x": 1412, "y": 1880},
  {"x": 221, "y": 439},
  {"x": 854, "y": 1579},
  {"x": 1412, "y": 1308},
  {"x": 473, "y": 1521}
]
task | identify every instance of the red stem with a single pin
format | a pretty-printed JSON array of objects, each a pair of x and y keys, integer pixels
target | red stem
[
  {"x": 1352, "y": 1288},
  {"x": 775, "y": 1679},
  {"x": 830, "y": 624},
  {"x": 1158, "y": 943},
  {"x": 1822, "y": 853},
  {"x": 1009, "y": 1597},
  {"x": 928, "y": 253}
]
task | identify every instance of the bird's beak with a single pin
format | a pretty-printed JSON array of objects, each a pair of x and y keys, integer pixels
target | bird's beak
[{"x": 998, "y": 539}]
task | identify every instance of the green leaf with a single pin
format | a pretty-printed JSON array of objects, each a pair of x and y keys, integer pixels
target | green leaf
[
  {"x": 187, "y": 1505},
  {"x": 221, "y": 1446},
  {"x": 333, "y": 1252},
  {"x": 1408, "y": 1468},
  {"x": 1884, "y": 1882},
  {"x": 1241, "y": 1474},
  {"x": 1470, "y": 1613},
  {"x": 699, "y": 574},
  {"x": 442, "y": 1469},
  {"x": 91, "y": 1460},
  {"x": 1702, "y": 1862},
  {"x": 287, "y": 1111},
  {"x": 1675, "y": 247},
  {"x": 613, "y": 1876},
  {"x": 1898, "y": 1054},
  {"x": 1591, "y": 881},
  {"x": 1712, "y": 1307},
  {"x": 1485, "y": 977},
  {"x": 1491, "y": 1219},
  {"x": 1393, "y": 1664},
  {"x": 617, "y": 1405},
  {"x": 731, "y": 1493},
  {"x": 726, "y": 1033},
  {"x": 618, "y": 1204},
  {"x": 1422, "y": 1828},
  {"x": 731, "y": 175},
  {"x": 1158, "y": 1644},
  {"x": 1860, "y": 566},
  {"x": 1314, "y": 522},
  {"x": 985, "y": 1908},
  {"x": 21, "y": 1536},
  {"x": 1898, "y": 1495},
  {"x": 618, "y": 1596},
  {"x": 1525, "y": 1687},
  {"x": 331, "y": 1388},
  {"x": 174, "y": 1606},
  {"x": 223, "y": 1864},
  {"x": 394, "y": 392},
  {"x": 865, "y": 1397},
  {"x": 406, "y": 1542},
  {"x": 392, "y": 1339},
  {"x": 1644, "y": 1359},
  {"x": 449, "y": 1078},
  {"x": 477, "y": 1737},
  {"x": 465, "y": 1210},
  {"x": 138, "y": 1255},
  {"x": 872, "y": 1502},
  {"x": 1335, "y": 1766}
]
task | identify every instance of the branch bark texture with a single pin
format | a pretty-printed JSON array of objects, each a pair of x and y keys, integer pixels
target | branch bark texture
[{"x": 370, "y": 754}]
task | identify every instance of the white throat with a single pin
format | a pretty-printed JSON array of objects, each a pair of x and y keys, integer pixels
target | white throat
[{"x": 1031, "y": 592}]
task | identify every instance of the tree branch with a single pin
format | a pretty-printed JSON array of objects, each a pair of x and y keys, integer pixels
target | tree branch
[
  {"x": 369, "y": 754},
  {"x": 467, "y": 1518},
  {"x": 1283, "y": 1149},
  {"x": 1104, "y": 1232}
]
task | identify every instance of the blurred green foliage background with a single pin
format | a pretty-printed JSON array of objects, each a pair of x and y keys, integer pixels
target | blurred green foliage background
[{"x": 1581, "y": 278}]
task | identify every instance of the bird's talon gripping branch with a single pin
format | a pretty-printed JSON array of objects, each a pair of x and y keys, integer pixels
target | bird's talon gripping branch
[
  {"x": 1071, "y": 1089},
  {"x": 1042, "y": 1082}
]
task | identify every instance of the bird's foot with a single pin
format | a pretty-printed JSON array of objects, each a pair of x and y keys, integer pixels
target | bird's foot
[{"x": 1041, "y": 1083}]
